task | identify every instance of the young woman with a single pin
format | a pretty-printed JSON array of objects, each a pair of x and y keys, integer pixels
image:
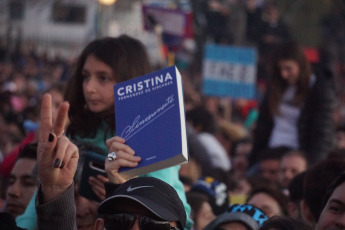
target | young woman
[
  {"x": 297, "y": 109},
  {"x": 103, "y": 63}
]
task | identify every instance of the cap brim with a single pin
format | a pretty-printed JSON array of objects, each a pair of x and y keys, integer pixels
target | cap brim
[{"x": 154, "y": 207}]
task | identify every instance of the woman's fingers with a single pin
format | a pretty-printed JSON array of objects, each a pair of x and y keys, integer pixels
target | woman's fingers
[
  {"x": 46, "y": 119},
  {"x": 61, "y": 156},
  {"x": 97, "y": 185},
  {"x": 71, "y": 156},
  {"x": 61, "y": 119},
  {"x": 122, "y": 160},
  {"x": 118, "y": 147},
  {"x": 102, "y": 178},
  {"x": 127, "y": 163},
  {"x": 125, "y": 157},
  {"x": 115, "y": 139}
]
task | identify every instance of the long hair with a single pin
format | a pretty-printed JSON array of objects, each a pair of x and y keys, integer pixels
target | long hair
[
  {"x": 289, "y": 51},
  {"x": 126, "y": 56}
]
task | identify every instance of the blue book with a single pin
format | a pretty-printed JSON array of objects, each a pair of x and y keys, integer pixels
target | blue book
[{"x": 150, "y": 116}]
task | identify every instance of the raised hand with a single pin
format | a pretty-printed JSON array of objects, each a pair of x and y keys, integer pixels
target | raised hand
[
  {"x": 57, "y": 156},
  {"x": 124, "y": 158}
]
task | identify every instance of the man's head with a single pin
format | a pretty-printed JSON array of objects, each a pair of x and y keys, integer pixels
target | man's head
[
  {"x": 22, "y": 181},
  {"x": 316, "y": 181},
  {"x": 270, "y": 200},
  {"x": 291, "y": 164},
  {"x": 269, "y": 162},
  {"x": 333, "y": 212},
  {"x": 216, "y": 191},
  {"x": 86, "y": 210},
  {"x": 143, "y": 201},
  {"x": 239, "y": 216},
  {"x": 240, "y": 156}
]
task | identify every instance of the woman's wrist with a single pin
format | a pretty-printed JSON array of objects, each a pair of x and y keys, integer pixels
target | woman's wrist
[
  {"x": 50, "y": 193},
  {"x": 115, "y": 178}
]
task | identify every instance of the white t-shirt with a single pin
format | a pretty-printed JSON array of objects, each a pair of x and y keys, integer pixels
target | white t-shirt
[
  {"x": 284, "y": 132},
  {"x": 218, "y": 154}
]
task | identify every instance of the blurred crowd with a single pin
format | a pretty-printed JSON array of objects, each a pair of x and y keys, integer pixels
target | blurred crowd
[{"x": 278, "y": 152}]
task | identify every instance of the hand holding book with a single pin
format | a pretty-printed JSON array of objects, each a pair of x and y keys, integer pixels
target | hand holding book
[{"x": 125, "y": 157}]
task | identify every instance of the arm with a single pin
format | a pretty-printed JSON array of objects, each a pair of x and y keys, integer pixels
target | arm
[
  {"x": 57, "y": 214},
  {"x": 317, "y": 124},
  {"x": 57, "y": 160},
  {"x": 262, "y": 131}
]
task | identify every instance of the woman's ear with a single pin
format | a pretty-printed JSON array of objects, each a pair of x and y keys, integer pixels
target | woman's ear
[
  {"x": 99, "y": 225},
  {"x": 306, "y": 214}
]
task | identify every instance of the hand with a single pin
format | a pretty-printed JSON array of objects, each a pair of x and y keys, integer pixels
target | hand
[
  {"x": 97, "y": 184},
  {"x": 124, "y": 158},
  {"x": 57, "y": 156}
]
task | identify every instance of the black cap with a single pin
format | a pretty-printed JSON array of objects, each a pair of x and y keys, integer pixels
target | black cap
[{"x": 154, "y": 194}]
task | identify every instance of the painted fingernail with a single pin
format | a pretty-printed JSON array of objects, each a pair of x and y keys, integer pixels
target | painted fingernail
[
  {"x": 56, "y": 163},
  {"x": 62, "y": 164},
  {"x": 51, "y": 137}
]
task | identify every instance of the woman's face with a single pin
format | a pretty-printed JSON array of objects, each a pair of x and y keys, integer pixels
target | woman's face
[
  {"x": 98, "y": 82},
  {"x": 205, "y": 216},
  {"x": 266, "y": 203},
  {"x": 289, "y": 71}
]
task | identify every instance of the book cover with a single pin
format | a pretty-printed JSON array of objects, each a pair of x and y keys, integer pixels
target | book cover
[{"x": 150, "y": 116}]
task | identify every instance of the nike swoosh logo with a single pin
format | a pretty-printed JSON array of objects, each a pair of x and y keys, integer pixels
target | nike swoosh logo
[{"x": 130, "y": 188}]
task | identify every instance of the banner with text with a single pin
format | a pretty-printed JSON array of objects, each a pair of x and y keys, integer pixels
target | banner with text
[
  {"x": 229, "y": 71},
  {"x": 173, "y": 21}
]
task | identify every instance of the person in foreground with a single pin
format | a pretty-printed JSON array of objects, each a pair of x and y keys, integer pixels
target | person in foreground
[
  {"x": 333, "y": 213},
  {"x": 145, "y": 202}
]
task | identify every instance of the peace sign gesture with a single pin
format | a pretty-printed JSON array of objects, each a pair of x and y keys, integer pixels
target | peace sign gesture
[{"x": 57, "y": 156}]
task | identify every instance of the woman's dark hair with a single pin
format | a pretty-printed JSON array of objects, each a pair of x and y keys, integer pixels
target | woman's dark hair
[
  {"x": 289, "y": 51},
  {"x": 284, "y": 223},
  {"x": 202, "y": 118},
  {"x": 274, "y": 192},
  {"x": 336, "y": 182},
  {"x": 126, "y": 56},
  {"x": 196, "y": 200}
]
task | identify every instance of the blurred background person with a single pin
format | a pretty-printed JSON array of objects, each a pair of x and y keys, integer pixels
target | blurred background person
[
  {"x": 201, "y": 213},
  {"x": 291, "y": 164},
  {"x": 297, "y": 109}
]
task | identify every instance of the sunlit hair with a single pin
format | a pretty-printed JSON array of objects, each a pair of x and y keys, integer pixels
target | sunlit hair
[
  {"x": 289, "y": 51},
  {"x": 126, "y": 56}
]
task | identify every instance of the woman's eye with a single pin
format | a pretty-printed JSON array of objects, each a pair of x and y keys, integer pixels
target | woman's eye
[
  {"x": 85, "y": 76},
  {"x": 104, "y": 78}
]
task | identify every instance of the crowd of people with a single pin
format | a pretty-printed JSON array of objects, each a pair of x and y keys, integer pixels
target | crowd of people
[{"x": 282, "y": 169}]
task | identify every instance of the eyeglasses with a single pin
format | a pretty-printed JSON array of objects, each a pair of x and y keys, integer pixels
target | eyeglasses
[{"x": 124, "y": 221}]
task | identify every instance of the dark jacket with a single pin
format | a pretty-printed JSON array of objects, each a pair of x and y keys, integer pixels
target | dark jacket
[{"x": 315, "y": 124}]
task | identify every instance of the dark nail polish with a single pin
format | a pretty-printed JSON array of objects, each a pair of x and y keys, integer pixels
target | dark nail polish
[
  {"x": 51, "y": 137},
  {"x": 56, "y": 163},
  {"x": 62, "y": 164}
]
